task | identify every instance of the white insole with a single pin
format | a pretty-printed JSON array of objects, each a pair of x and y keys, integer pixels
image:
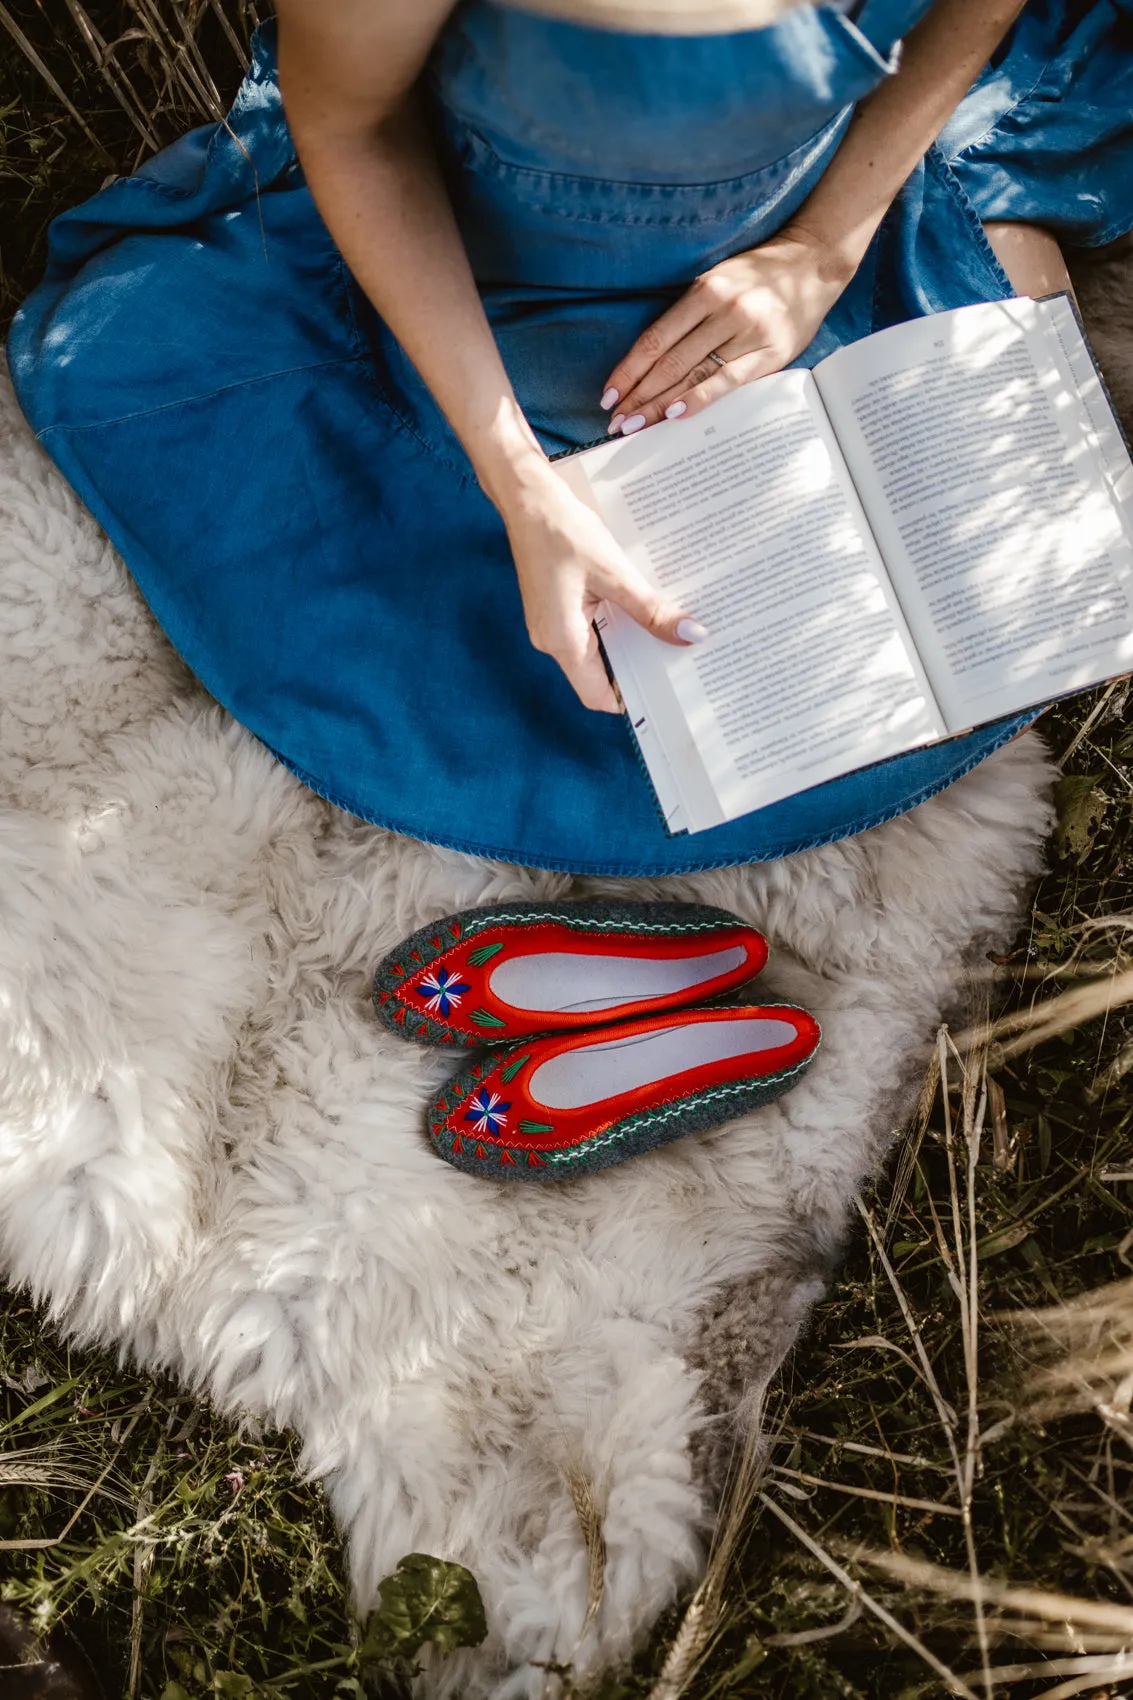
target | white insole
[
  {"x": 559, "y": 982},
  {"x": 603, "y": 1071}
]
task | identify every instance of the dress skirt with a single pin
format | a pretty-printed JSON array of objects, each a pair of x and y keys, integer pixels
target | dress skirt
[{"x": 302, "y": 520}]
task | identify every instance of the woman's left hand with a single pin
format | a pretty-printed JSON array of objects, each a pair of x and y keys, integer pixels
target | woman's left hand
[{"x": 756, "y": 311}]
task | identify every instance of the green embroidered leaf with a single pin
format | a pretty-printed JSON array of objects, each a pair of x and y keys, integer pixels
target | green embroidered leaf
[
  {"x": 484, "y": 953},
  {"x": 426, "y": 1599},
  {"x": 483, "y": 1019},
  {"x": 514, "y": 1066},
  {"x": 535, "y": 1127}
]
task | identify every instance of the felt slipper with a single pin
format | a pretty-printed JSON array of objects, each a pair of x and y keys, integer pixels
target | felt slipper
[
  {"x": 507, "y": 971},
  {"x": 563, "y": 1105}
]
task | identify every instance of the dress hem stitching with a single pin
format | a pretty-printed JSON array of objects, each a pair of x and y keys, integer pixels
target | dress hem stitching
[{"x": 652, "y": 870}]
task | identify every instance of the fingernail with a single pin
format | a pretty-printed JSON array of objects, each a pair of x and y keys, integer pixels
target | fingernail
[
  {"x": 614, "y": 424},
  {"x": 676, "y": 410},
  {"x": 634, "y": 424},
  {"x": 610, "y": 397},
  {"x": 691, "y": 631}
]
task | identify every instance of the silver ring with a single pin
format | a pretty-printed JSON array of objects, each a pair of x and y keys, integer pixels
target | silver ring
[{"x": 719, "y": 359}]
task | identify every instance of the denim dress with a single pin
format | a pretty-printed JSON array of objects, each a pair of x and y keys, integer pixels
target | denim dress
[{"x": 302, "y": 520}]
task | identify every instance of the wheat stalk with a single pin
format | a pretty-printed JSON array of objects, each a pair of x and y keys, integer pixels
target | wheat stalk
[
  {"x": 589, "y": 1514},
  {"x": 703, "y": 1618},
  {"x": 42, "y": 1542}
]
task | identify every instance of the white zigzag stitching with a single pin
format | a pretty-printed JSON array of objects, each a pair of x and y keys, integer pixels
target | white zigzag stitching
[
  {"x": 665, "y": 1113},
  {"x": 596, "y": 921}
]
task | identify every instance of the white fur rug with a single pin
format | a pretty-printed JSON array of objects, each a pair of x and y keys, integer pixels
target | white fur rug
[{"x": 212, "y": 1155}]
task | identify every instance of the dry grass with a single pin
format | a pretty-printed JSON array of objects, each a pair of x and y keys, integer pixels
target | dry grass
[
  {"x": 952, "y": 1448},
  {"x": 89, "y": 88},
  {"x": 940, "y": 1505}
]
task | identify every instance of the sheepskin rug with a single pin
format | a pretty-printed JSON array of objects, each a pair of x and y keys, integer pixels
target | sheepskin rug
[{"x": 212, "y": 1157}]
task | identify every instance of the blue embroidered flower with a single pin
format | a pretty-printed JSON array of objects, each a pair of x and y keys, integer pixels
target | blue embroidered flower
[
  {"x": 486, "y": 1111},
  {"x": 441, "y": 990}
]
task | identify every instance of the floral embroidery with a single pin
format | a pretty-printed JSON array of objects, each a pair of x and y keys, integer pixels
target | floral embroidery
[
  {"x": 486, "y": 1111},
  {"x": 442, "y": 990}
]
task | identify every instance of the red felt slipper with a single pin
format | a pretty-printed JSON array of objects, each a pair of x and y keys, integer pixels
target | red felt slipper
[
  {"x": 560, "y": 1106},
  {"x": 507, "y": 971}
]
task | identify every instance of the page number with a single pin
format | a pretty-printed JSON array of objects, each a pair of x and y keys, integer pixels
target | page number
[
  {"x": 711, "y": 430},
  {"x": 938, "y": 344}
]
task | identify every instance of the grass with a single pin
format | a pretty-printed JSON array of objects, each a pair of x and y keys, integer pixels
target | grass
[
  {"x": 195, "y": 1562},
  {"x": 926, "y": 1519},
  {"x": 921, "y": 1500}
]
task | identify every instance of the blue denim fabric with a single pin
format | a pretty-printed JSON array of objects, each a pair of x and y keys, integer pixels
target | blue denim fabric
[
  {"x": 1046, "y": 134},
  {"x": 299, "y": 515}
]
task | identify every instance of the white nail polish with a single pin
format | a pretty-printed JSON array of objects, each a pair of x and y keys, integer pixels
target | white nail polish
[
  {"x": 676, "y": 410},
  {"x": 608, "y": 400},
  {"x": 634, "y": 424},
  {"x": 615, "y": 424},
  {"x": 691, "y": 631}
]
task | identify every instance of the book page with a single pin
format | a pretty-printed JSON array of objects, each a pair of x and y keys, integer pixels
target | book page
[
  {"x": 981, "y": 475},
  {"x": 648, "y": 728},
  {"x": 745, "y": 516},
  {"x": 662, "y": 738},
  {"x": 1062, "y": 322}
]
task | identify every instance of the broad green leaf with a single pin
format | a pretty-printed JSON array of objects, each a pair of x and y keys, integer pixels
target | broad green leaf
[
  {"x": 231, "y": 1685},
  {"x": 1082, "y": 806},
  {"x": 426, "y": 1599}
]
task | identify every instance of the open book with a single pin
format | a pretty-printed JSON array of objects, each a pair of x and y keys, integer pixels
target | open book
[{"x": 931, "y": 530}]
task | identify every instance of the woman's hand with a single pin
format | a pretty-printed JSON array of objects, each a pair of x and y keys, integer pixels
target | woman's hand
[
  {"x": 756, "y": 311},
  {"x": 568, "y": 564}
]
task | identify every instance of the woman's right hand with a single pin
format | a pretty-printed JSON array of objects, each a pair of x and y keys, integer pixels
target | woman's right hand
[{"x": 568, "y": 564}]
